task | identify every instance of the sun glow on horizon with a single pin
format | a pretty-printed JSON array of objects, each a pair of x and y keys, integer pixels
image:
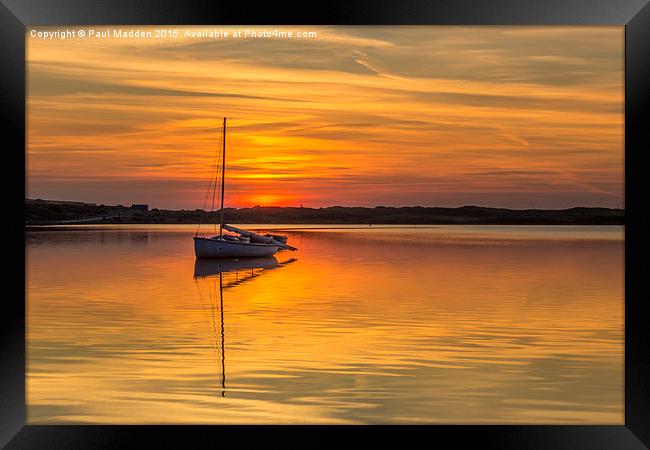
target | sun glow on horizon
[{"x": 269, "y": 200}]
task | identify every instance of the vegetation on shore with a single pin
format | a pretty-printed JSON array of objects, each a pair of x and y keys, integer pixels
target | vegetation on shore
[{"x": 43, "y": 212}]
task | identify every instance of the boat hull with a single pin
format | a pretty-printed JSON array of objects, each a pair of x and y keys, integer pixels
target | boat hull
[{"x": 216, "y": 248}]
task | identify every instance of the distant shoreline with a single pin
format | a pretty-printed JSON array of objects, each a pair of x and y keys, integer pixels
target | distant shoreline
[
  {"x": 279, "y": 228},
  {"x": 44, "y": 212}
]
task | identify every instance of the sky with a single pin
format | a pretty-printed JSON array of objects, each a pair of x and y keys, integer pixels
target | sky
[{"x": 513, "y": 117}]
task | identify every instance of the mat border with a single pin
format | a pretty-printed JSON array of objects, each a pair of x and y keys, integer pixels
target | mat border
[{"x": 16, "y": 15}]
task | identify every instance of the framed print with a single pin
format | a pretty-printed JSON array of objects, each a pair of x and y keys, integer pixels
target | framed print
[{"x": 383, "y": 220}]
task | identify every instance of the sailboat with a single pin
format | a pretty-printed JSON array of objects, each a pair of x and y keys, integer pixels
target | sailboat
[{"x": 242, "y": 244}]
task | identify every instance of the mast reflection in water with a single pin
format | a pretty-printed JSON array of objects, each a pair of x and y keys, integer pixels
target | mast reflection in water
[{"x": 242, "y": 270}]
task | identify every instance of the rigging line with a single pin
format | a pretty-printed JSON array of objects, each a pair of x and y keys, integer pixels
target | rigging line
[
  {"x": 218, "y": 163},
  {"x": 223, "y": 180},
  {"x": 213, "y": 176},
  {"x": 217, "y": 185},
  {"x": 205, "y": 200}
]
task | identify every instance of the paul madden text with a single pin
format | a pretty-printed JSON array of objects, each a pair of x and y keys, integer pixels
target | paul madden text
[{"x": 171, "y": 33}]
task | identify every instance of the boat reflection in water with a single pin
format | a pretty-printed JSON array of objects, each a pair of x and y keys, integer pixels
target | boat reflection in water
[
  {"x": 204, "y": 267},
  {"x": 229, "y": 273}
]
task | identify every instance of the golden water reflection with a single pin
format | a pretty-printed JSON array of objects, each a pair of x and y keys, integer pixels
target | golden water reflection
[{"x": 376, "y": 325}]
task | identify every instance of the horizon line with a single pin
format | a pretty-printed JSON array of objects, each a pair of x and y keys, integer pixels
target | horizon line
[{"x": 330, "y": 206}]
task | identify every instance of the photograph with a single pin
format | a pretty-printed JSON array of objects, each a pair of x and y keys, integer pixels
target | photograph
[{"x": 325, "y": 224}]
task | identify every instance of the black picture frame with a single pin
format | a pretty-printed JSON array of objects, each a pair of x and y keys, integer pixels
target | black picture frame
[{"x": 17, "y": 15}]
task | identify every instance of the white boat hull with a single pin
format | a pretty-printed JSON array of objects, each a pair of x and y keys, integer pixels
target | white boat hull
[{"x": 218, "y": 248}]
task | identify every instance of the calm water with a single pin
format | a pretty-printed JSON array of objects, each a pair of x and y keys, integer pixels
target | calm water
[{"x": 450, "y": 324}]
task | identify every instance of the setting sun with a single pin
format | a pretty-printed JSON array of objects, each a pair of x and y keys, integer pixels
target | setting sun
[{"x": 270, "y": 200}]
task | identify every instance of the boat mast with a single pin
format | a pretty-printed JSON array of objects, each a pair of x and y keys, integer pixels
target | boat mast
[{"x": 223, "y": 176}]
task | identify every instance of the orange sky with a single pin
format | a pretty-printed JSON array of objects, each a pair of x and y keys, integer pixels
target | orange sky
[{"x": 513, "y": 117}]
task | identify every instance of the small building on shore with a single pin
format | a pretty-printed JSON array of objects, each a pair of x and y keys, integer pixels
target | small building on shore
[{"x": 141, "y": 207}]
